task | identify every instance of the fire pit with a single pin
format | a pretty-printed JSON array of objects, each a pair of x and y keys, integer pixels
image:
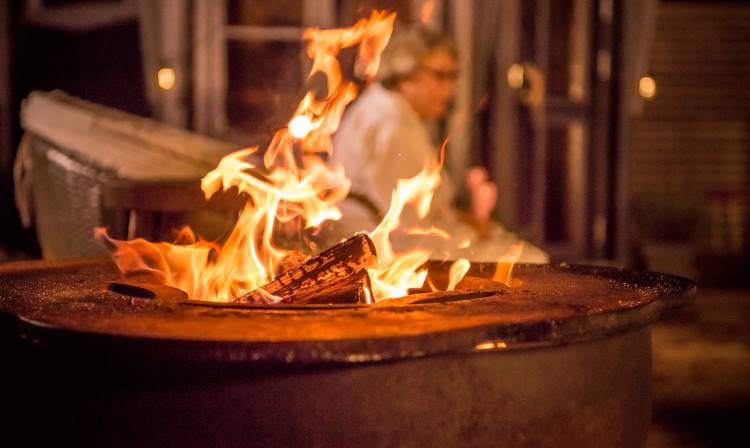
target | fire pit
[
  {"x": 561, "y": 359},
  {"x": 358, "y": 345}
]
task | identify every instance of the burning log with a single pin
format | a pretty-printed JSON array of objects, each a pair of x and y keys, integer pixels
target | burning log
[
  {"x": 354, "y": 288},
  {"x": 336, "y": 275}
]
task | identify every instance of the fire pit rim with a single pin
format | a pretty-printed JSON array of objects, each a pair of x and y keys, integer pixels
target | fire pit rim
[{"x": 544, "y": 332}]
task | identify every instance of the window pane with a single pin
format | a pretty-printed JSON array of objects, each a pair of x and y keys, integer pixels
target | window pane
[{"x": 265, "y": 82}]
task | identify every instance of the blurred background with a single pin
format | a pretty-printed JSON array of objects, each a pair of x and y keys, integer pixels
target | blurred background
[{"x": 618, "y": 132}]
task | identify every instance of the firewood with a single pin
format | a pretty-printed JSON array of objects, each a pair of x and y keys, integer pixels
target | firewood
[
  {"x": 332, "y": 267},
  {"x": 352, "y": 289}
]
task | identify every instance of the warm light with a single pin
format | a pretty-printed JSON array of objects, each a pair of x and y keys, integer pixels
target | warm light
[
  {"x": 647, "y": 87},
  {"x": 396, "y": 272},
  {"x": 166, "y": 77},
  {"x": 298, "y": 190},
  {"x": 457, "y": 272},
  {"x": 490, "y": 345},
  {"x": 426, "y": 11},
  {"x": 504, "y": 268},
  {"x": 300, "y": 126},
  {"x": 515, "y": 76},
  {"x": 429, "y": 231}
]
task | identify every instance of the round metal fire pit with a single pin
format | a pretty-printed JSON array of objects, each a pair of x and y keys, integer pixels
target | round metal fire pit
[{"x": 562, "y": 359}]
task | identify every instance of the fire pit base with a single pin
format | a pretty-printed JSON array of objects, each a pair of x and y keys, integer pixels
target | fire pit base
[
  {"x": 563, "y": 359},
  {"x": 595, "y": 393}
]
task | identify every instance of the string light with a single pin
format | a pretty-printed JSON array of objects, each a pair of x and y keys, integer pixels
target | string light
[
  {"x": 166, "y": 77},
  {"x": 647, "y": 87},
  {"x": 515, "y": 76}
]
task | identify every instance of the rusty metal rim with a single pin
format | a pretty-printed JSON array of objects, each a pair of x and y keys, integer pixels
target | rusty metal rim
[
  {"x": 666, "y": 292},
  {"x": 414, "y": 299},
  {"x": 529, "y": 335}
]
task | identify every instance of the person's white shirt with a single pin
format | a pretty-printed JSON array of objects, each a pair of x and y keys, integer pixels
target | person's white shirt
[{"x": 380, "y": 140}]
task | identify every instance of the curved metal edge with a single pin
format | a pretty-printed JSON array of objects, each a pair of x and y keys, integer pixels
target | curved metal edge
[
  {"x": 22, "y": 266},
  {"x": 521, "y": 336},
  {"x": 636, "y": 279},
  {"x": 670, "y": 292}
]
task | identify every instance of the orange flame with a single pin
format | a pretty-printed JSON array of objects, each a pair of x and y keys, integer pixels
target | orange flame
[
  {"x": 322, "y": 117},
  {"x": 288, "y": 191},
  {"x": 429, "y": 231},
  {"x": 504, "y": 268},
  {"x": 396, "y": 273},
  {"x": 305, "y": 193},
  {"x": 456, "y": 273}
]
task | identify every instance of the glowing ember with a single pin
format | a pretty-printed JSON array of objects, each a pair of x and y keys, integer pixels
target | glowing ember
[{"x": 298, "y": 192}]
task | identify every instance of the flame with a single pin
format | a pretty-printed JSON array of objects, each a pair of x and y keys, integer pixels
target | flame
[
  {"x": 456, "y": 273},
  {"x": 504, "y": 268},
  {"x": 289, "y": 193},
  {"x": 429, "y": 231},
  {"x": 300, "y": 126},
  {"x": 397, "y": 272},
  {"x": 315, "y": 120}
]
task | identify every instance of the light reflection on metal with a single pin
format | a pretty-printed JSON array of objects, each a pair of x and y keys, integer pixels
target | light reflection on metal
[
  {"x": 647, "y": 87},
  {"x": 490, "y": 345},
  {"x": 166, "y": 77},
  {"x": 515, "y": 76}
]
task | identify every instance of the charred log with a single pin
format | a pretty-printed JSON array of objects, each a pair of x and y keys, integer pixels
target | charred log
[
  {"x": 352, "y": 289},
  {"x": 342, "y": 266}
]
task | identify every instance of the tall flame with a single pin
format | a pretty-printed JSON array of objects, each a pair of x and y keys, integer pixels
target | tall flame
[
  {"x": 397, "y": 272},
  {"x": 504, "y": 268},
  {"x": 287, "y": 193},
  {"x": 300, "y": 192}
]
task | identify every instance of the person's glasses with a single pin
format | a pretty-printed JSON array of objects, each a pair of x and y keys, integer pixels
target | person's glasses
[{"x": 440, "y": 74}]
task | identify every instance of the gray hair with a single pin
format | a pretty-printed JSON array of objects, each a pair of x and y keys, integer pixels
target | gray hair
[{"x": 407, "y": 49}]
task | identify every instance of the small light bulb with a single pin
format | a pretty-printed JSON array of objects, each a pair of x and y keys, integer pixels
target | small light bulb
[
  {"x": 515, "y": 76},
  {"x": 166, "y": 77},
  {"x": 300, "y": 126},
  {"x": 647, "y": 87}
]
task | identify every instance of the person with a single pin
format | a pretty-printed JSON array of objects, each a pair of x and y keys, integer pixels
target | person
[{"x": 384, "y": 137}]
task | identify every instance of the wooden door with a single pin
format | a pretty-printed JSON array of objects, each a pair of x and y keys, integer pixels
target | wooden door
[{"x": 551, "y": 141}]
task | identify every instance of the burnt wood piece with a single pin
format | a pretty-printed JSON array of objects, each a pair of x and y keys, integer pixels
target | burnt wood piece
[
  {"x": 419, "y": 298},
  {"x": 352, "y": 289},
  {"x": 333, "y": 266}
]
